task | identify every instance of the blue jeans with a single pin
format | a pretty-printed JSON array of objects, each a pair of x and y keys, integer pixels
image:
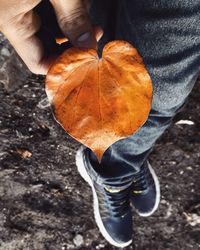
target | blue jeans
[{"x": 167, "y": 36}]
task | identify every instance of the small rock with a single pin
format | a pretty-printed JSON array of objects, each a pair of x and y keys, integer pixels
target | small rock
[
  {"x": 163, "y": 202},
  {"x": 168, "y": 230},
  {"x": 44, "y": 103},
  {"x": 100, "y": 246},
  {"x": 69, "y": 246},
  {"x": 169, "y": 211},
  {"x": 185, "y": 122},
  {"x": 187, "y": 156},
  {"x": 169, "y": 174},
  {"x": 5, "y": 52},
  {"x": 78, "y": 240}
]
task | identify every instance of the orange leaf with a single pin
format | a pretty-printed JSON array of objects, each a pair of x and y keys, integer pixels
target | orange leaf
[
  {"x": 23, "y": 153},
  {"x": 99, "y": 101},
  {"x": 60, "y": 40}
]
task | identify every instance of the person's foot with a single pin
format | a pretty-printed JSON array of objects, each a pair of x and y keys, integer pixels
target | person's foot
[
  {"x": 145, "y": 193},
  {"x": 111, "y": 206}
]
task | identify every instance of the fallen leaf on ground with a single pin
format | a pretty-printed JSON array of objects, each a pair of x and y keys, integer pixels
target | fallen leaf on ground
[
  {"x": 99, "y": 101},
  {"x": 192, "y": 218},
  {"x": 23, "y": 153}
]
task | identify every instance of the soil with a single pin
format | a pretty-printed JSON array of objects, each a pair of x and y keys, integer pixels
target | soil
[{"x": 44, "y": 203}]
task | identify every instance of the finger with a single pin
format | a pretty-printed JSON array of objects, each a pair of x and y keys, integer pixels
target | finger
[
  {"x": 74, "y": 23},
  {"x": 87, "y": 4},
  {"x": 22, "y": 35},
  {"x": 98, "y": 33}
]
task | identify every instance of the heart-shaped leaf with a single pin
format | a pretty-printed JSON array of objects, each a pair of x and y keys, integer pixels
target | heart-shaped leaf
[{"x": 99, "y": 101}]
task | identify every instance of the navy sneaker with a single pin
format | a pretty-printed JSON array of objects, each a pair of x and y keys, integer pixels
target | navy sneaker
[
  {"x": 145, "y": 193},
  {"x": 111, "y": 206}
]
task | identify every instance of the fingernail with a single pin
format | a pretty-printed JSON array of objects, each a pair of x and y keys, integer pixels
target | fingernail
[
  {"x": 86, "y": 40},
  {"x": 84, "y": 37}
]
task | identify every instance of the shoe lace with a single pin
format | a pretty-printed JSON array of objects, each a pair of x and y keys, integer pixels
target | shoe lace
[
  {"x": 142, "y": 180},
  {"x": 113, "y": 203}
]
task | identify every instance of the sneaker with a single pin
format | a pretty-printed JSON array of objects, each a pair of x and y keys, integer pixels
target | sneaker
[
  {"x": 112, "y": 210},
  {"x": 145, "y": 194}
]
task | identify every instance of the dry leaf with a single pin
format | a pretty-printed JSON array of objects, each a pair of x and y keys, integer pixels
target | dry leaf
[
  {"x": 192, "y": 218},
  {"x": 60, "y": 40},
  {"x": 99, "y": 101},
  {"x": 23, "y": 153}
]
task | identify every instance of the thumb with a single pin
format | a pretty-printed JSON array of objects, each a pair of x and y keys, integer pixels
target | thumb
[{"x": 74, "y": 22}]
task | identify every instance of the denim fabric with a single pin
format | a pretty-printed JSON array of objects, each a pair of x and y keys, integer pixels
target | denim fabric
[{"x": 167, "y": 36}]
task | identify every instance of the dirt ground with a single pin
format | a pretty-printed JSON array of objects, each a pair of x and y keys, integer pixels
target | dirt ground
[{"x": 44, "y": 203}]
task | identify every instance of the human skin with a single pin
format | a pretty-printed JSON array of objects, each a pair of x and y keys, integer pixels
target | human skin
[{"x": 20, "y": 23}]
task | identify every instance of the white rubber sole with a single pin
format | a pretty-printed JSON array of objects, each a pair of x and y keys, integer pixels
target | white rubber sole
[
  {"x": 81, "y": 168},
  {"x": 157, "y": 186}
]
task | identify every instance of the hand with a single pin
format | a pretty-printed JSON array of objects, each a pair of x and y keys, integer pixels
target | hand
[{"x": 21, "y": 24}]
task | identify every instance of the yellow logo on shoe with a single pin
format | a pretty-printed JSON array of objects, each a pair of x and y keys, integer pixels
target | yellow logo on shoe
[
  {"x": 112, "y": 190},
  {"x": 137, "y": 191}
]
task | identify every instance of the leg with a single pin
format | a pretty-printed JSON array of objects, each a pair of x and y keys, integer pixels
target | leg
[{"x": 167, "y": 35}]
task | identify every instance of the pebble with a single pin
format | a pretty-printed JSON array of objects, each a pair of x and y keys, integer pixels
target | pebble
[
  {"x": 78, "y": 240},
  {"x": 100, "y": 246},
  {"x": 5, "y": 52},
  {"x": 168, "y": 230},
  {"x": 169, "y": 211},
  {"x": 70, "y": 246},
  {"x": 173, "y": 162},
  {"x": 44, "y": 103},
  {"x": 163, "y": 202}
]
